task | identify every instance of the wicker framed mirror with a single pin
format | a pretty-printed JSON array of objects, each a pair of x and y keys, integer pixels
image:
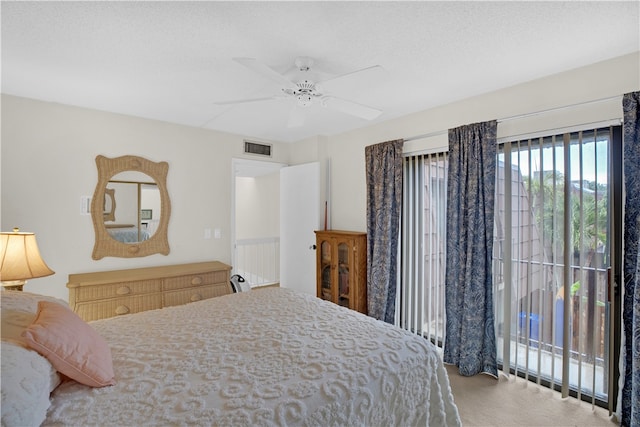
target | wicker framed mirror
[{"x": 124, "y": 233}]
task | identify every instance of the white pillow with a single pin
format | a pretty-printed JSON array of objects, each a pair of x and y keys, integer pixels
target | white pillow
[
  {"x": 27, "y": 377},
  {"x": 25, "y": 301},
  {"x": 26, "y": 381}
]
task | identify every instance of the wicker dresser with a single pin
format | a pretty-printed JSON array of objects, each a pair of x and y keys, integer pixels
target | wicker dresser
[{"x": 112, "y": 293}]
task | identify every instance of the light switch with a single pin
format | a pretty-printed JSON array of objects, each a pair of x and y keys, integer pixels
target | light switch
[
  {"x": 207, "y": 233},
  {"x": 217, "y": 233},
  {"x": 85, "y": 205}
]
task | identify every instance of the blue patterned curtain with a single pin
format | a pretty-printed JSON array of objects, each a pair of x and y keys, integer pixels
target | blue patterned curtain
[
  {"x": 384, "y": 201},
  {"x": 470, "y": 341},
  {"x": 630, "y": 354}
]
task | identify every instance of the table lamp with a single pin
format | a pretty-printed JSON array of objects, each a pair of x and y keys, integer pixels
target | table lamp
[{"x": 20, "y": 259}]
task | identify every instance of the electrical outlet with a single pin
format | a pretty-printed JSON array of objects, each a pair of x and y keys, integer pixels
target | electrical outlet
[{"x": 217, "y": 233}]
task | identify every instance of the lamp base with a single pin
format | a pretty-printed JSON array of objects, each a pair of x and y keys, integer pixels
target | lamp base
[{"x": 13, "y": 285}]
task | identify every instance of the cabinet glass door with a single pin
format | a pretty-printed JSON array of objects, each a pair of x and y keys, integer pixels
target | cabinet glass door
[
  {"x": 325, "y": 265},
  {"x": 343, "y": 274}
]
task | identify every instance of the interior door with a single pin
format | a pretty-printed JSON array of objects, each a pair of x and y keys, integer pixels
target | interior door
[{"x": 299, "y": 218}]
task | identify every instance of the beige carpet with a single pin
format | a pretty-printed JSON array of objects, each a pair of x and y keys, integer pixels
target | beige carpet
[{"x": 484, "y": 401}]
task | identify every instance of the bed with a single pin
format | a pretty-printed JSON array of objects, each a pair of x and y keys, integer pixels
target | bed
[
  {"x": 128, "y": 234},
  {"x": 270, "y": 357}
]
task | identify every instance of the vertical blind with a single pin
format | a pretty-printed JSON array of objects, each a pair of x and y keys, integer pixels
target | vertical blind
[
  {"x": 552, "y": 254},
  {"x": 423, "y": 246},
  {"x": 551, "y": 261}
]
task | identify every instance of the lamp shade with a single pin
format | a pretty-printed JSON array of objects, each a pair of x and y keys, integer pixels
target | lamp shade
[{"x": 20, "y": 258}]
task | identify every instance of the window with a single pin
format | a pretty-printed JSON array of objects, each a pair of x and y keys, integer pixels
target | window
[
  {"x": 423, "y": 246},
  {"x": 552, "y": 255},
  {"x": 553, "y": 252}
]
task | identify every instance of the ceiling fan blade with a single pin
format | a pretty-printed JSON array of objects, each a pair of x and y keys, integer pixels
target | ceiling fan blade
[
  {"x": 296, "y": 117},
  {"x": 365, "y": 76},
  {"x": 245, "y": 101},
  {"x": 350, "y": 107},
  {"x": 265, "y": 71}
]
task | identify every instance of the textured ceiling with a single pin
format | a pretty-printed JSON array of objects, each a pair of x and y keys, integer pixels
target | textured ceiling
[{"x": 172, "y": 61}]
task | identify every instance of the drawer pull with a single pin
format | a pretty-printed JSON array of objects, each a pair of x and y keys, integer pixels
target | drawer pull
[
  {"x": 196, "y": 297},
  {"x": 123, "y": 290},
  {"x": 133, "y": 249},
  {"x": 196, "y": 280},
  {"x": 122, "y": 309}
]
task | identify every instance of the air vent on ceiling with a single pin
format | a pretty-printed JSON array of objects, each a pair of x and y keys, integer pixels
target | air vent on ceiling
[{"x": 259, "y": 149}]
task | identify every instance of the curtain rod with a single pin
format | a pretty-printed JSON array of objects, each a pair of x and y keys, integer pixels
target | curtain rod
[{"x": 520, "y": 116}]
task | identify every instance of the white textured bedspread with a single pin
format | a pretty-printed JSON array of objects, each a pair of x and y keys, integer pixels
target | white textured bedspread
[{"x": 270, "y": 357}]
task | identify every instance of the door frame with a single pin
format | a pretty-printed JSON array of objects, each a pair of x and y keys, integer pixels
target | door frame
[{"x": 246, "y": 168}]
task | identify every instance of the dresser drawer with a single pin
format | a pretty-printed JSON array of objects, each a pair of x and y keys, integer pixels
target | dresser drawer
[
  {"x": 184, "y": 296},
  {"x": 192, "y": 280},
  {"x": 112, "y": 293},
  {"x": 118, "y": 306},
  {"x": 119, "y": 289}
]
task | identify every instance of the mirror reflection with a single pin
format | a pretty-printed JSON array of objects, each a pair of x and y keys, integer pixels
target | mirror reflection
[
  {"x": 109, "y": 206},
  {"x": 135, "y": 199},
  {"x": 130, "y": 208}
]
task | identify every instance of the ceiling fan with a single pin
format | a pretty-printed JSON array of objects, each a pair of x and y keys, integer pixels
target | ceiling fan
[{"x": 305, "y": 91}]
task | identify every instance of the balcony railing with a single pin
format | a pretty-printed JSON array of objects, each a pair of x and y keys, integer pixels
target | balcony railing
[{"x": 258, "y": 260}]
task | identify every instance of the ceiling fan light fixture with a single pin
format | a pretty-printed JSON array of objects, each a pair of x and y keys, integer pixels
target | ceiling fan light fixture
[
  {"x": 306, "y": 85},
  {"x": 305, "y": 91},
  {"x": 304, "y": 99}
]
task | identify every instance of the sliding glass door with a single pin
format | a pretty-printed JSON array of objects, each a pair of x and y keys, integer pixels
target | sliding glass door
[
  {"x": 552, "y": 258},
  {"x": 423, "y": 246},
  {"x": 554, "y": 248}
]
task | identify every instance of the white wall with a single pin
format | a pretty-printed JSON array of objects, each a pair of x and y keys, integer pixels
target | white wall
[
  {"x": 150, "y": 199},
  {"x": 596, "y": 82},
  {"x": 48, "y": 164},
  {"x": 126, "y": 201},
  {"x": 48, "y": 153},
  {"x": 315, "y": 150},
  {"x": 258, "y": 206}
]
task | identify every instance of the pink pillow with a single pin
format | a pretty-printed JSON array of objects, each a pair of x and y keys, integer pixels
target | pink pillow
[{"x": 72, "y": 346}]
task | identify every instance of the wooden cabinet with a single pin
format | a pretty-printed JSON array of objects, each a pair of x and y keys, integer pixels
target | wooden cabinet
[
  {"x": 112, "y": 293},
  {"x": 342, "y": 268}
]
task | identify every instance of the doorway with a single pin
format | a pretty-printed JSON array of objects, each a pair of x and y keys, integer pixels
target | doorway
[
  {"x": 275, "y": 210},
  {"x": 255, "y": 221}
]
